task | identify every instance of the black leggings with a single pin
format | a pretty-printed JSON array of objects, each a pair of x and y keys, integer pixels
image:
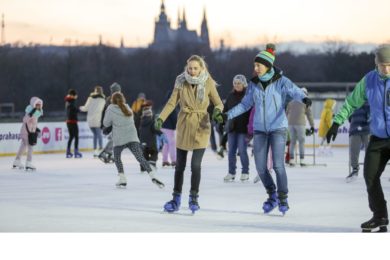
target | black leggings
[
  {"x": 73, "y": 130},
  {"x": 181, "y": 161}
]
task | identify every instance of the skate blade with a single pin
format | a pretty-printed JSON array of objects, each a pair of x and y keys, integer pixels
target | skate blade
[
  {"x": 17, "y": 167},
  {"x": 380, "y": 229},
  {"x": 27, "y": 169},
  {"x": 158, "y": 183},
  {"x": 350, "y": 179},
  {"x": 121, "y": 186}
]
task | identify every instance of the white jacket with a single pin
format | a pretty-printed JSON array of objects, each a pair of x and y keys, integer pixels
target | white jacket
[{"x": 94, "y": 108}]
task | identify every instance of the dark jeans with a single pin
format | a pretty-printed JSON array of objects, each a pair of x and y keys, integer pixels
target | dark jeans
[
  {"x": 375, "y": 160},
  {"x": 73, "y": 130},
  {"x": 181, "y": 161}
]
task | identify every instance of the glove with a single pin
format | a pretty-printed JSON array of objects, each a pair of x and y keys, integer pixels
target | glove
[
  {"x": 332, "y": 132},
  {"x": 218, "y": 117},
  {"x": 158, "y": 124},
  {"x": 32, "y": 112},
  {"x": 310, "y": 131},
  {"x": 307, "y": 101}
]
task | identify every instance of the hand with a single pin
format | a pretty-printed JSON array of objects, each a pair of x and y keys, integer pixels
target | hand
[
  {"x": 32, "y": 112},
  {"x": 310, "y": 131},
  {"x": 158, "y": 124},
  {"x": 332, "y": 132},
  {"x": 217, "y": 116},
  {"x": 307, "y": 101}
]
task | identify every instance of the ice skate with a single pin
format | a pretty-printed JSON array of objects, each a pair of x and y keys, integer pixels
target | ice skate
[
  {"x": 229, "y": 178},
  {"x": 174, "y": 204},
  {"x": 166, "y": 164},
  {"x": 283, "y": 205},
  {"x": 270, "y": 203},
  {"x": 375, "y": 225},
  {"x": 173, "y": 164},
  {"x": 220, "y": 153},
  {"x": 156, "y": 181},
  {"x": 244, "y": 177},
  {"x": 96, "y": 153},
  {"x": 193, "y": 203},
  {"x": 17, "y": 164},
  {"x": 69, "y": 154},
  {"x": 77, "y": 154},
  {"x": 291, "y": 162},
  {"x": 352, "y": 176},
  {"x": 256, "y": 179},
  {"x": 302, "y": 162},
  {"x": 122, "y": 182},
  {"x": 30, "y": 166},
  {"x": 106, "y": 157}
]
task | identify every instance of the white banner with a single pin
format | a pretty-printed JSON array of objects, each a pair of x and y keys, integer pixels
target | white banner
[{"x": 54, "y": 137}]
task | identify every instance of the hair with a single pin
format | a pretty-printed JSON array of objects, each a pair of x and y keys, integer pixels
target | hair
[
  {"x": 202, "y": 64},
  {"x": 99, "y": 90},
  {"x": 72, "y": 92},
  {"x": 118, "y": 99}
]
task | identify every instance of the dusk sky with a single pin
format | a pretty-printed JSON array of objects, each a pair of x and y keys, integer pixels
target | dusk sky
[{"x": 239, "y": 23}]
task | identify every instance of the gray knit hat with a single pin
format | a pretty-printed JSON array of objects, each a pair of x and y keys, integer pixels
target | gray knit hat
[
  {"x": 382, "y": 54},
  {"x": 240, "y": 78},
  {"x": 115, "y": 87}
]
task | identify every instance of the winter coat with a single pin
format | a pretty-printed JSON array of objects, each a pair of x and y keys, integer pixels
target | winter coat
[
  {"x": 269, "y": 100},
  {"x": 359, "y": 121},
  {"x": 237, "y": 124},
  {"x": 171, "y": 121},
  {"x": 71, "y": 110},
  {"x": 147, "y": 132},
  {"x": 296, "y": 112},
  {"x": 193, "y": 124},
  {"x": 326, "y": 117},
  {"x": 374, "y": 89},
  {"x": 123, "y": 128},
  {"x": 94, "y": 108},
  {"x": 31, "y": 121}
]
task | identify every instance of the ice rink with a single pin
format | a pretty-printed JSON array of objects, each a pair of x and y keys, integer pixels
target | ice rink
[{"x": 79, "y": 195}]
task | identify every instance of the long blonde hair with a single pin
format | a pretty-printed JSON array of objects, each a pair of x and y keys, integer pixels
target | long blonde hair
[{"x": 118, "y": 99}]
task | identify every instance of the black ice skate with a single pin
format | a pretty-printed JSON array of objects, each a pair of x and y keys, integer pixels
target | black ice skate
[
  {"x": 106, "y": 157},
  {"x": 375, "y": 225}
]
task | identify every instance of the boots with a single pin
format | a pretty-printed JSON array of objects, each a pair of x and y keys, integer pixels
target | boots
[
  {"x": 174, "y": 204},
  {"x": 122, "y": 182},
  {"x": 283, "y": 203},
  {"x": 374, "y": 223},
  {"x": 17, "y": 164}
]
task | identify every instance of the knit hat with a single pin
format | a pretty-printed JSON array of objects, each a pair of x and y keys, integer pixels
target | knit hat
[
  {"x": 266, "y": 57},
  {"x": 141, "y": 95},
  {"x": 115, "y": 87},
  {"x": 382, "y": 54},
  {"x": 240, "y": 78}
]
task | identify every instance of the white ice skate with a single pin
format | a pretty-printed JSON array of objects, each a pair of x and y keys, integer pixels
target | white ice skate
[
  {"x": 256, "y": 179},
  {"x": 122, "y": 182},
  {"x": 244, "y": 177},
  {"x": 17, "y": 164},
  {"x": 229, "y": 178},
  {"x": 156, "y": 181},
  {"x": 30, "y": 166},
  {"x": 291, "y": 162}
]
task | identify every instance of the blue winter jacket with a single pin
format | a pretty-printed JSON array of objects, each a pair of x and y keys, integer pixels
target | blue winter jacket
[{"x": 269, "y": 102}]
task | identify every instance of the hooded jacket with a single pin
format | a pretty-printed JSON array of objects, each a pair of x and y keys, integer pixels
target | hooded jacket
[{"x": 31, "y": 121}]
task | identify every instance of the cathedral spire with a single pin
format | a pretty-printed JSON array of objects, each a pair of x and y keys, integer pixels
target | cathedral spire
[{"x": 204, "y": 30}]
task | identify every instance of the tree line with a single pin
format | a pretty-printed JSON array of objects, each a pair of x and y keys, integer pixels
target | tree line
[{"x": 31, "y": 71}]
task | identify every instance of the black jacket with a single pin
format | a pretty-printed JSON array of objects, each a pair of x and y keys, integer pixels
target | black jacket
[
  {"x": 147, "y": 132},
  {"x": 71, "y": 109},
  {"x": 237, "y": 124}
]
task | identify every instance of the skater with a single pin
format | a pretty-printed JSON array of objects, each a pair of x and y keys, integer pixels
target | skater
[
  {"x": 94, "y": 108},
  {"x": 124, "y": 135},
  {"x": 267, "y": 93},
  {"x": 373, "y": 88},
  {"x": 106, "y": 155},
  {"x": 296, "y": 112},
  {"x": 72, "y": 123},
  {"x": 237, "y": 131},
  {"x": 169, "y": 130},
  {"x": 325, "y": 123},
  {"x": 358, "y": 137},
  {"x": 29, "y": 126},
  {"x": 193, "y": 90},
  {"x": 148, "y": 135}
]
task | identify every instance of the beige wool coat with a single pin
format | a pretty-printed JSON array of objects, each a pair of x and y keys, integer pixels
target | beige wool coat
[{"x": 193, "y": 126}]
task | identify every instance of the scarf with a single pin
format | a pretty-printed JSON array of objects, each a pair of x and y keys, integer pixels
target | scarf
[
  {"x": 267, "y": 76},
  {"x": 200, "y": 81},
  {"x": 147, "y": 112}
]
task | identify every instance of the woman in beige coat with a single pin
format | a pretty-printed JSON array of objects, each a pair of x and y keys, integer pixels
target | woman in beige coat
[{"x": 193, "y": 91}]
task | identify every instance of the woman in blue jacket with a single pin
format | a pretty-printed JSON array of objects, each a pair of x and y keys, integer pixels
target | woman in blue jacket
[{"x": 267, "y": 92}]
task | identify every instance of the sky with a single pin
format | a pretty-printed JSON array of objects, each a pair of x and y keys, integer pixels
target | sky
[{"x": 240, "y": 23}]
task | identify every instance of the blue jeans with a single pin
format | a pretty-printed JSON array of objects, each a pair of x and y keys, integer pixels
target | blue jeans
[
  {"x": 261, "y": 143},
  {"x": 237, "y": 140},
  {"x": 97, "y": 136}
]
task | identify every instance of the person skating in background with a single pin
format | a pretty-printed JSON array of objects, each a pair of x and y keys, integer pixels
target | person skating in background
[
  {"x": 237, "y": 131},
  {"x": 148, "y": 135},
  {"x": 193, "y": 91},
  {"x": 169, "y": 130},
  {"x": 267, "y": 93},
  {"x": 296, "y": 112},
  {"x": 30, "y": 125},
  {"x": 94, "y": 107},
  {"x": 72, "y": 123},
  {"x": 136, "y": 107},
  {"x": 107, "y": 154},
  {"x": 358, "y": 137},
  {"x": 124, "y": 135},
  {"x": 373, "y": 88},
  {"x": 325, "y": 124}
]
